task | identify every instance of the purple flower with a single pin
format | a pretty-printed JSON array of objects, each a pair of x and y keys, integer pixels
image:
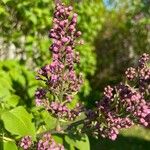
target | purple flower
[
  {"x": 123, "y": 105},
  {"x": 108, "y": 92},
  {"x": 39, "y": 96},
  {"x": 143, "y": 59},
  {"x": 26, "y": 142},
  {"x": 48, "y": 143},
  {"x": 130, "y": 73},
  {"x": 60, "y": 76}
]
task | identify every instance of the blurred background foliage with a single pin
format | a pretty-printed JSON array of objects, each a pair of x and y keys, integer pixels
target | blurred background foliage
[
  {"x": 124, "y": 36},
  {"x": 115, "y": 33}
]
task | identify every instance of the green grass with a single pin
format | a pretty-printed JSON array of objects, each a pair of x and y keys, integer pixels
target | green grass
[{"x": 135, "y": 138}]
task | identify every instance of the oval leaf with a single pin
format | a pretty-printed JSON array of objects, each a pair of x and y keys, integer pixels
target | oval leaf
[
  {"x": 81, "y": 143},
  {"x": 18, "y": 122},
  {"x": 9, "y": 145}
]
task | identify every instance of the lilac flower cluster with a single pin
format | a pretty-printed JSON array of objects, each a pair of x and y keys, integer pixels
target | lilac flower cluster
[
  {"x": 48, "y": 143},
  {"x": 142, "y": 77},
  {"x": 61, "y": 110},
  {"x": 108, "y": 92},
  {"x": 45, "y": 143},
  {"x": 26, "y": 142},
  {"x": 130, "y": 73},
  {"x": 40, "y": 97},
  {"x": 134, "y": 103},
  {"x": 143, "y": 59},
  {"x": 106, "y": 120},
  {"x": 123, "y": 105},
  {"x": 62, "y": 82}
]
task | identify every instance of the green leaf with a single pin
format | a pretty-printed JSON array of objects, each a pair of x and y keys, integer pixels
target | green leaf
[
  {"x": 32, "y": 17},
  {"x": 5, "y": 1},
  {"x": 9, "y": 145},
  {"x": 72, "y": 147},
  {"x": 81, "y": 143},
  {"x": 12, "y": 100},
  {"x": 17, "y": 77},
  {"x": 2, "y": 10},
  {"x": 19, "y": 122},
  {"x": 50, "y": 122},
  {"x": 5, "y": 87},
  {"x": 58, "y": 138},
  {"x": 46, "y": 1}
]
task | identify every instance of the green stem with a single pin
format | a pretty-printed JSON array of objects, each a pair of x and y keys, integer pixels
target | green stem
[
  {"x": 75, "y": 124},
  {"x": 58, "y": 127},
  {"x": 64, "y": 130},
  {"x": 6, "y": 138}
]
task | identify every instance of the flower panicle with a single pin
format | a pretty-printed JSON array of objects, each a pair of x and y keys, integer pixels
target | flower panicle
[
  {"x": 60, "y": 77},
  {"x": 123, "y": 105}
]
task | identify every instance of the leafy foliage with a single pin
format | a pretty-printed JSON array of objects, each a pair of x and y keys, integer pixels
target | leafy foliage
[
  {"x": 17, "y": 84},
  {"x": 124, "y": 36},
  {"x": 7, "y": 145},
  {"x": 18, "y": 122},
  {"x": 80, "y": 143}
]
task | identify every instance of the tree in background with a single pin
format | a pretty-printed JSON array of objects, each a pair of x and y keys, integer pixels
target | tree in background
[{"x": 124, "y": 36}]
